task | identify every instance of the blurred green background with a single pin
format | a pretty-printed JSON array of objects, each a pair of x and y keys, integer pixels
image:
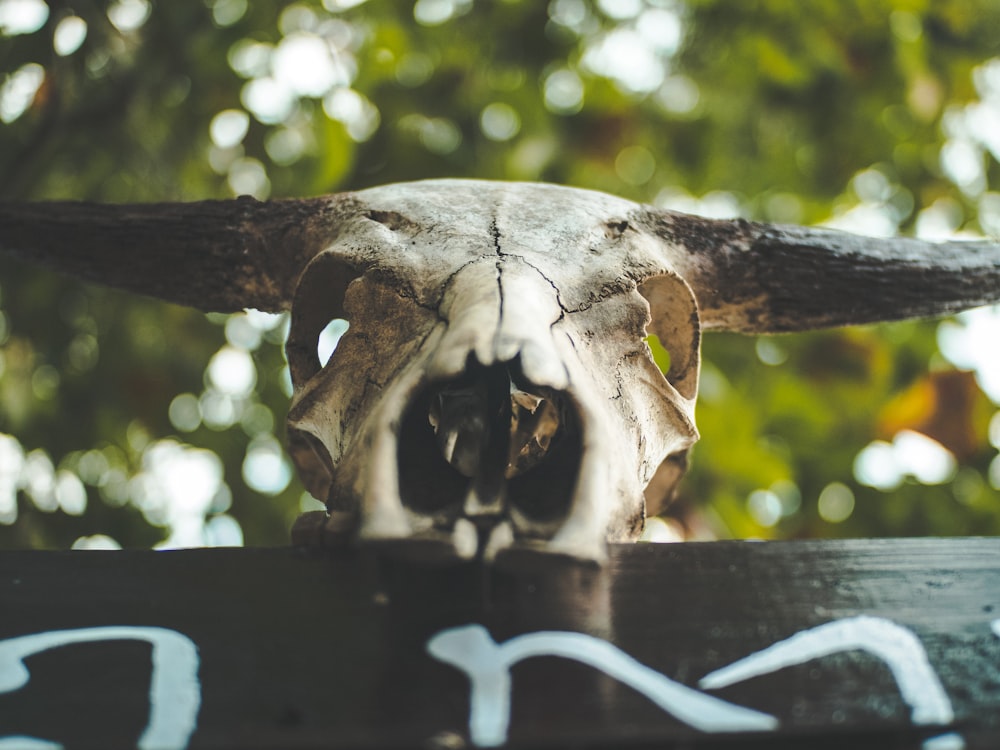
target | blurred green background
[{"x": 129, "y": 422}]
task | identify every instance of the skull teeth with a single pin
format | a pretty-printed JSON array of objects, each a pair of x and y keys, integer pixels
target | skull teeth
[
  {"x": 465, "y": 538},
  {"x": 468, "y": 422}
]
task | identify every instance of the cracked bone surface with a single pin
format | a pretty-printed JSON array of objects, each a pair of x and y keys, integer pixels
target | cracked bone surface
[{"x": 494, "y": 389}]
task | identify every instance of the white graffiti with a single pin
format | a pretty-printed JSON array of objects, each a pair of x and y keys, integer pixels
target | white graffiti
[
  {"x": 897, "y": 646},
  {"x": 174, "y": 688},
  {"x": 487, "y": 664}
]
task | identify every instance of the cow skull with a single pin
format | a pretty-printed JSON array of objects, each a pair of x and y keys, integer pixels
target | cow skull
[
  {"x": 495, "y": 389},
  {"x": 494, "y": 386}
]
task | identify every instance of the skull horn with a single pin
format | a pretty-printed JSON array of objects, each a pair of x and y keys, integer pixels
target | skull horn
[
  {"x": 211, "y": 255},
  {"x": 764, "y": 278}
]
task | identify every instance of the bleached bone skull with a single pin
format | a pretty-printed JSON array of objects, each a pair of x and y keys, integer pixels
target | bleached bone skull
[
  {"x": 494, "y": 386},
  {"x": 495, "y": 389}
]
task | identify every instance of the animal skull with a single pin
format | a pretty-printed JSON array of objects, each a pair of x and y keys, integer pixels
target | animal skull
[
  {"x": 494, "y": 386},
  {"x": 495, "y": 389}
]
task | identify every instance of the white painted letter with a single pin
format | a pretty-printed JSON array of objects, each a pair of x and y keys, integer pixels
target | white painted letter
[
  {"x": 174, "y": 689},
  {"x": 897, "y": 646},
  {"x": 487, "y": 664}
]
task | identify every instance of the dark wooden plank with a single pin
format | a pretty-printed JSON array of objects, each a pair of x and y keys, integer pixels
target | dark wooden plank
[{"x": 299, "y": 649}]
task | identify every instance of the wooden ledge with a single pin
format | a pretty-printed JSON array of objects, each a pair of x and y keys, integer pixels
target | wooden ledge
[{"x": 869, "y": 644}]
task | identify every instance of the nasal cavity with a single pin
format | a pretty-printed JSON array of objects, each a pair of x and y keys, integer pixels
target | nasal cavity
[
  {"x": 473, "y": 438},
  {"x": 491, "y": 423}
]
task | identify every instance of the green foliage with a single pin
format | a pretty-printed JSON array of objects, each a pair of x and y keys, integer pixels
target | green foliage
[{"x": 852, "y": 112}]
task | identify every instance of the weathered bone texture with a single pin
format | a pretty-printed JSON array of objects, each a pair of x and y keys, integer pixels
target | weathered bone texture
[{"x": 495, "y": 390}]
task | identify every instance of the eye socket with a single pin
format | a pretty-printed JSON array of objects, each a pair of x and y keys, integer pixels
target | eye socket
[
  {"x": 674, "y": 331},
  {"x": 318, "y": 316}
]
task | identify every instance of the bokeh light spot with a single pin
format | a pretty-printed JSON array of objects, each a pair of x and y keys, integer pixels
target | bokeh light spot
[
  {"x": 184, "y": 412},
  {"x": 69, "y": 35},
  {"x": 499, "y": 121},
  {"x": 662, "y": 531},
  {"x": 989, "y": 213},
  {"x": 265, "y": 468},
  {"x": 994, "y": 431},
  {"x": 285, "y": 146},
  {"x": 18, "y": 91},
  {"x": 876, "y": 466},
  {"x": 257, "y": 420},
  {"x": 970, "y": 342},
  {"x": 70, "y": 493},
  {"x": 303, "y": 64},
  {"x": 359, "y": 116},
  {"x": 96, "y": 542},
  {"x": 884, "y": 465},
  {"x": 11, "y": 465},
  {"x": 620, "y": 10},
  {"x": 438, "y": 135},
  {"x": 635, "y": 165},
  {"x": 563, "y": 91},
  {"x": 269, "y": 101},
  {"x": 129, "y": 15},
  {"x": 227, "y": 12},
  {"x": 250, "y": 59},
  {"x": 229, "y": 127},
  {"x": 437, "y": 12},
  {"x": 242, "y": 333},
  {"x": 232, "y": 372},
  {"x": 414, "y": 69},
  {"x": 836, "y": 503},
  {"x": 573, "y": 14},
  {"x": 22, "y": 16},
  {"x": 39, "y": 480},
  {"x": 45, "y": 382},
  {"x": 770, "y": 352},
  {"x": 223, "y": 531},
  {"x": 678, "y": 95},
  {"x": 248, "y": 176},
  {"x": 764, "y": 507}
]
